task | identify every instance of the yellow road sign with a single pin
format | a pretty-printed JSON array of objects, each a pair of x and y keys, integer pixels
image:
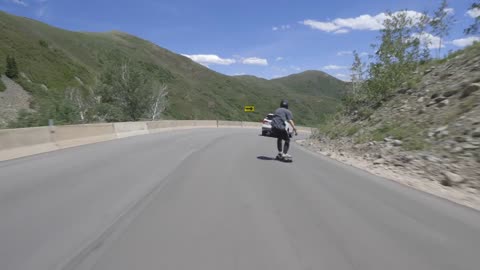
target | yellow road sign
[{"x": 249, "y": 108}]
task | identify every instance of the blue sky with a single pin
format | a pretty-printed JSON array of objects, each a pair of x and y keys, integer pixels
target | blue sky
[{"x": 263, "y": 38}]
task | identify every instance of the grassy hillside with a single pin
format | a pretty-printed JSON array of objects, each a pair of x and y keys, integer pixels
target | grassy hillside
[{"x": 59, "y": 59}]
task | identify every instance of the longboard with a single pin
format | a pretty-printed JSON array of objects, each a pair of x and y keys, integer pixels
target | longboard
[{"x": 284, "y": 159}]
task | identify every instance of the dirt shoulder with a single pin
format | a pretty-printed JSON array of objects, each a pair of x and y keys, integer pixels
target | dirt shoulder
[{"x": 407, "y": 170}]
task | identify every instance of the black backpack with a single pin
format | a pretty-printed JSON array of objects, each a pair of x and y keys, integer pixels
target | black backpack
[{"x": 277, "y": 122}]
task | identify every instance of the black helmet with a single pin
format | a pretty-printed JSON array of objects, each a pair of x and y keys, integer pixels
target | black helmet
[{"x": 284, "y": 104}]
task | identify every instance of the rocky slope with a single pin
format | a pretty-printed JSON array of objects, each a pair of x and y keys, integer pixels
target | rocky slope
[
  {"x": 12, "y": 100},
  {"x": 428, "y": 132}
]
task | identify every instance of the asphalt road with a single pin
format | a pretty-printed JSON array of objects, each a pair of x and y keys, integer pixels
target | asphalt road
[{"x": 213, "y": 199}]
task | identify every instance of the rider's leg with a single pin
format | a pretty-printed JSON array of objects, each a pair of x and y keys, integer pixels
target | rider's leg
[
  {"x": 286, "y": 146},
  {"x": 279, "y": 145}
]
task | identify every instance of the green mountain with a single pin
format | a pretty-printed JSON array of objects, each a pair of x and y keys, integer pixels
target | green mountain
[
  {"x": 314, "y": 83},
  {"x": 53, "y": 60}
]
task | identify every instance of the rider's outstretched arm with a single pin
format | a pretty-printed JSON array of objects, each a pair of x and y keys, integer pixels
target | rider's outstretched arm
[{"x": 293, "y": 126}]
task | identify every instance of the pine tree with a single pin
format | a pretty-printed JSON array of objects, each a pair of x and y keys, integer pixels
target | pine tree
[{"x": 12, "y": 69}]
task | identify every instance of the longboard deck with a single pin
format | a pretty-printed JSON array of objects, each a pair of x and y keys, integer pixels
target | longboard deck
[{"x": 284, "y": 159}]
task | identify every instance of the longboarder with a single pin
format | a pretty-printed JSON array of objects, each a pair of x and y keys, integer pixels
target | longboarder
[{"x": 281, "y": 119}]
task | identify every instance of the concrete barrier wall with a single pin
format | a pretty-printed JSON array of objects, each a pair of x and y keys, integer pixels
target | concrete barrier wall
[
  {"x": 185, "y": 123},
  {"x": 165, "y": 125},
  {"x": 16, "y": 143},
  {"x": 12, "y": 138},
  {"x": 73, "y": 135},
  {"x": 252, "y": 124},
  {"x": 230, "y": 124},
  {"x": 158, "y": 126},
  {"x": 22, "y": 142},
  {"x": 128, "y": 129},
  {"x": 206, "y": 123}
]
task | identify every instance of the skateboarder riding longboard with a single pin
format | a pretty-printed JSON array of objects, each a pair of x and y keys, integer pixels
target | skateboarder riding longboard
[{"x": 281, "y": 119}]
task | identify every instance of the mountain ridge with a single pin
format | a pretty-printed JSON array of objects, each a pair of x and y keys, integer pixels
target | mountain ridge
[{"x": 58, "y": 59}]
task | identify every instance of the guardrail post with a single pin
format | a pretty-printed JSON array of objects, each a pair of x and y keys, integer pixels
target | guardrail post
[{"x": 51, "y": 128}]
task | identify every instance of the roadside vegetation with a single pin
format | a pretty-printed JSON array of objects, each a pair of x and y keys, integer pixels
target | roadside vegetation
[
  {"x": 403, "y": 54},
  {"x": 123, "y": 93},
  {"x": 11, "y": 67},
  {"x": 11, "y": 71},
  {"x": 2, "y": 86}
]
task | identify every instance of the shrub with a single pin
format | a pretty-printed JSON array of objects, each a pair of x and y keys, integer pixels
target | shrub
[
  {"x": 352, "y": 130},
  {"x": 12, "y": 69},
  {"x": 380, "y": 133},
  {"x": 25, "y": 119},
  {"x": 365, "y": 113},
  {"x": 43, "y": 43},
  {"x": 2, "y": 86},
  {"x": 415, "y": 143}
]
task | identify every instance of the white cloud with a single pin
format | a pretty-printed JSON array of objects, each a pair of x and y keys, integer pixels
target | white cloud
[
  {"x": 255, "y": 61},
  {"x": 449, "y": 11},
  {"x": 463, "y": 42},
  {"x": 343, "y": 77},
  {"x": 334, "y": 67},
  {"x": 207, "y": 59},
  {"x": 20, "y": 2},
  {"x": 323, "y": 26},
  {"x": 281, "y": 27},
  {"x": 41, "y": 12},
  {"x": 362, "y": 22},
  {"x": 343, "y": 53},
  {"x": 341, "y": 31},
  {"x": 474, "y": 13},
  {"x": 279, "y": 58},
  {"x": 433, "y": 42},
  {"x": 363, "y": 54}
]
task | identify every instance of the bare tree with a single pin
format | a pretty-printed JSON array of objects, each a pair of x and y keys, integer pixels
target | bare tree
[
  {"x": 128, "y": 88},
  {"x": 81, "y": 101},
  {"x": 159, "y": 101},
  {"x": 441, "y": 23},
  {"x": 357, "y": 72},
  {"x": 473, "y": 28},
  {"x": 422, "y": 27}
]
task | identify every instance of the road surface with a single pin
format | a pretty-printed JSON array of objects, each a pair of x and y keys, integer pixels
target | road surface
[{"x": 210, "y": 199}]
